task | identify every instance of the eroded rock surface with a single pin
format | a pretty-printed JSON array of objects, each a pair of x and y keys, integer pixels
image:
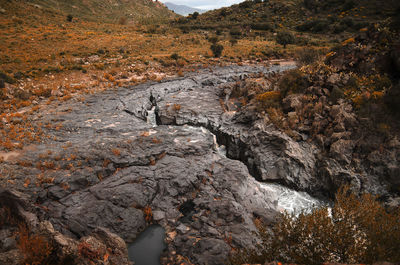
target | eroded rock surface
[{"x": 105, "y": 166}]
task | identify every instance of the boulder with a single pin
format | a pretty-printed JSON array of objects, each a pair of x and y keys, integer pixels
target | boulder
[
  {"x": 292, "y": 102},
  {"x": 342, "y": 150}
]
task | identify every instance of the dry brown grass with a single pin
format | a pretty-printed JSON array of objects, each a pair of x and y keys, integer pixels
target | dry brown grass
[{"x": 36, "y": 248}]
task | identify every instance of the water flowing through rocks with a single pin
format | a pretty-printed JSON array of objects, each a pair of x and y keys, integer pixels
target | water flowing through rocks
[{"x": 171, "y": 147}]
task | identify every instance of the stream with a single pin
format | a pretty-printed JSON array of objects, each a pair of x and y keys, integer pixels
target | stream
[{"x": 147, "y": 248}]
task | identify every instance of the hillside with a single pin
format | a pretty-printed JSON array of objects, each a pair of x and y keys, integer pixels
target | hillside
[
  {"x": 113, "y": 11},
  {"x": 182, "y": 9},
  {"x": 331, "y": 16}
]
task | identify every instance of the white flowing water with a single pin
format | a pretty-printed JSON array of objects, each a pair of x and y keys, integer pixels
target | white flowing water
[
  {"x": 290, "y": 200},
  {"x": 151, "y": 117}
]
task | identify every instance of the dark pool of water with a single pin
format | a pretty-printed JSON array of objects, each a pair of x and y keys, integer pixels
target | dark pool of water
[{"x": 148, "y": 246}]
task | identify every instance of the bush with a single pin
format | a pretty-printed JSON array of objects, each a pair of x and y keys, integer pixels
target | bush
[
  {"x": 336, "y": 94},
  {"x": 195, "y": 15},
  {"x": 261, "y": 26},
  {"x": 6, "y": 78},
  {"x": 292, "y": 82},
  {"x": 339, "y": 28},
  {"x": 217, "y": 49},
  {"x": 348, "y": 5},
  {"x": 235, "y": 32},
  {"x": 213, "y": 39},
  {"x": 36, "y": 248},
  {"x": 348, "y": 21},
  {"x": 246, "y": 4},
  {"x": 356, "y": 230},
  {"x": 310, "y": 4},
  {"x": 308, "y": 56},
  {"x": 174, "y": 56},
  {"x": 392, "y": 99},
  {"x": 314, "y": 25},
  {"x": 122, "y": 21},
  {"x": 233, "y": 41},
  {"x": 270, "y": 99},
  {"x": 284, "y": 38}
]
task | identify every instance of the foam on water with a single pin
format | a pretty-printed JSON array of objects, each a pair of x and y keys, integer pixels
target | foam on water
[
  {"x": 290, "y": 200},
  {"x": 151, "y": 117}
]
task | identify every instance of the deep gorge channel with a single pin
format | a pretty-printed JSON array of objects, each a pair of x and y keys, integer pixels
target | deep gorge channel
[{"x": 224, "y": 145}]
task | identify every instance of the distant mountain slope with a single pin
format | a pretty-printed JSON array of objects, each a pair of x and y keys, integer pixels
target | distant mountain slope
[
  {"x": 182, "y": 9},
  {"x": 103, "y": 10},
  {"x": 317, "y": 16}
]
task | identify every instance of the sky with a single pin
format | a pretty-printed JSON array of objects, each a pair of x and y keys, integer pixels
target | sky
[{"x": 204, "y": 4}]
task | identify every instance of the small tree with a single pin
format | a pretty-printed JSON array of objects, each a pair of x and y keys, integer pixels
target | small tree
[
  {"x": 70, "y": 18},
  {"x": 233, "y": 41},
  {"x": 195, "y": 15},
  {"x": 284, "y": 38},
  {"x": 122, "y": 20},
  {"x": 174, "y": 56},
  {"x": 215, "y": 47}
]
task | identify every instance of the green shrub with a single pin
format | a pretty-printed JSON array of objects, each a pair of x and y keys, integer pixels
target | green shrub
[
  {"x": 7, "y": 78},
  {"x": 314, "y": 25},
  {"x": 356, "y": 230},
  {"x": 392, "y": 99},
  {"x": 284, "y": 38},
  {"x": 360, "y": 24},
  {"x": 122, "y": 21},
  {"x": 216, "y": 49},
  {"x": 349, "y": 4},
  {"x": 308, "y": 55},
  {"x": 246, "y": 4},
  {"x": 292, "y": 82},
  {"x": 174, "y": 56},
  {"x": 310, "y": 4},
  {"x": 261, "y": 26},
  {"x": 235, "y": 32},
  {"x": 213, "y": 39},
  {"x": 233, "y": 41},
  {"x": 195, "y": 15},
  {"x": 348, "y": 21},
  {"x": 336, "y": 94},
  {"x": 339, "y": 28}
]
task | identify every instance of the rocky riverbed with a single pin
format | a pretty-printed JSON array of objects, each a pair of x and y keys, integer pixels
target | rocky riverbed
[{"x": 132, "y": 156}]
